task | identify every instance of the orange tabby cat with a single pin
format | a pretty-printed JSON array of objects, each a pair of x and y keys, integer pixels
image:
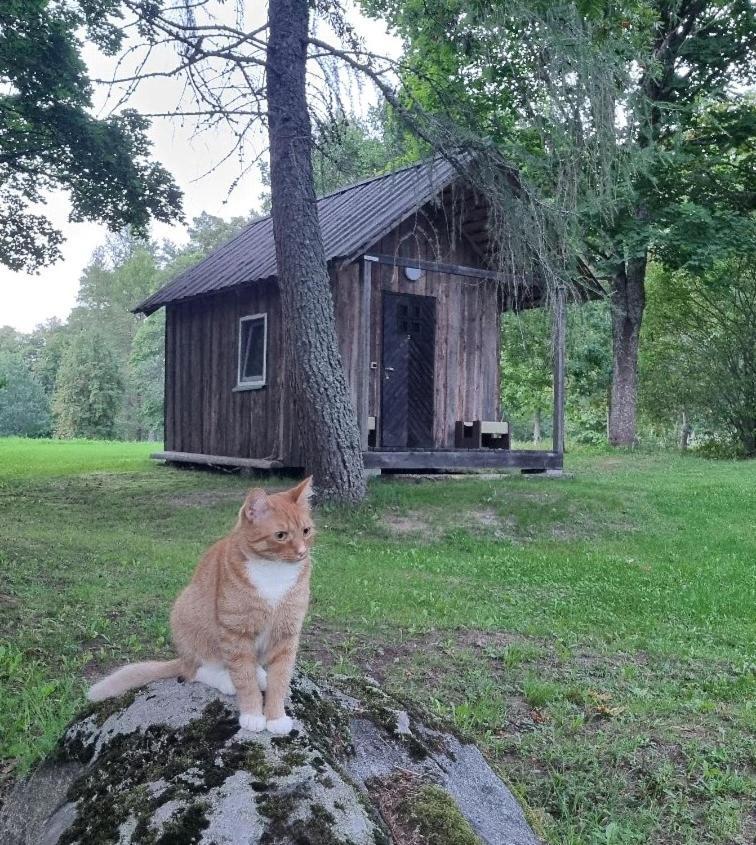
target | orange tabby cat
[{"x": 236, "y": 626}]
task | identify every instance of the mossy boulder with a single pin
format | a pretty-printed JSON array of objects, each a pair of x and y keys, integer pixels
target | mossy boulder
[{"x": 170, "y": 766}]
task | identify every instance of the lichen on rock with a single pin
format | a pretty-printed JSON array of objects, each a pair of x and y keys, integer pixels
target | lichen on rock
[{"x": 169, "y": 765}]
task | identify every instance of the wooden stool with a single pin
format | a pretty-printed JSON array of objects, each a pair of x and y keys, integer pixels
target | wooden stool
[{"x": 481, "y": 434}]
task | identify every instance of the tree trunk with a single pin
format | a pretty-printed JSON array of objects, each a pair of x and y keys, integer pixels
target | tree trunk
[
  {"x": 628, "y": 302},
  {"x": 685, "y": 432},
  {"x": 327, "y": 425},
  {"x": 745, "y": 431},
  {"x": 537, "y": 427}
]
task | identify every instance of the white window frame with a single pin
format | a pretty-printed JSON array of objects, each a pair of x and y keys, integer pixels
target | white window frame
[{"x": 257, "y": 383}]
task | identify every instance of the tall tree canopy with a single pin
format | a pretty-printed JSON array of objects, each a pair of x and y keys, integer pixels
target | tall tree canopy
[
  {"x": 699, "y": 358},
  {"x": 88, "y": 389},
  {"x": 24, "y": 408},
  {"x": 49, "y": 139},
  {"x": 597, "y": 89}
]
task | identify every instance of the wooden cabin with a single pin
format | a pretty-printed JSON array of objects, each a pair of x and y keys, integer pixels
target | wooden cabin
[{"x": 418, "y": 319}]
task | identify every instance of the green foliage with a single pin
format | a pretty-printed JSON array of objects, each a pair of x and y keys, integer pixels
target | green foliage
[
  {"x": 48, "y": 342},
  {"x": 539, "y": 80},
  {"x": 347, "y": 149},
  {"x": 147, "y": 374},
  {"x": 49, "y": 140},
  {"x": 526, "y": 376},
  {"x": 122, "y": 272},
  {"x": 706, "y": 187},
  {"x": 527, "y": 372},
  {"x": 88, "y": 389},
  {"x": 24, "y": 408},
  {"x": 206, "y": 233},
  {"x": 699, "y": 357}
]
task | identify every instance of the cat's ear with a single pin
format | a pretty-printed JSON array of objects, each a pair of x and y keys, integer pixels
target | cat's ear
[
  {"x": 256, "y": 505},
  {"x": 302, "y": 493}
]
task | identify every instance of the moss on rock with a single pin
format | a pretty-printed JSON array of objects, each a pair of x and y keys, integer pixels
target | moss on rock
[
  {"x": 185, "y": 828},
  {"x": 419, "y": 812},
  {"x": 116, "y": 787},
  {"x": 326, "y": 723},
  {"x": 437, "y": 817}
]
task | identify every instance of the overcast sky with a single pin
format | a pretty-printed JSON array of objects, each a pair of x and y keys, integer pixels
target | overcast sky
[{"x": 29, "y": 300}]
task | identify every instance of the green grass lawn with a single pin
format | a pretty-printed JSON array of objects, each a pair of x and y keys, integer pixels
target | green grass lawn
[{"x": 595, "y": 634}]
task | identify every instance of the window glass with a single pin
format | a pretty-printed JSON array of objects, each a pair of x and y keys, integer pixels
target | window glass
[{"x": 252, "y": 342}]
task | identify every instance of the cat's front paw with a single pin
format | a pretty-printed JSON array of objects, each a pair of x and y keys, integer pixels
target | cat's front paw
[
  {"x": 280, "y": 726},
  {"x": 252, "y": 722}
]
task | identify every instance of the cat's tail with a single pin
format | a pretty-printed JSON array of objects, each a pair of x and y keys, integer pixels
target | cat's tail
[{"x": 132, "y": 676}]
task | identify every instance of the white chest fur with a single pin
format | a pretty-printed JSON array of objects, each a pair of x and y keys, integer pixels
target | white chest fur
[{"x": 272, "y": 580}]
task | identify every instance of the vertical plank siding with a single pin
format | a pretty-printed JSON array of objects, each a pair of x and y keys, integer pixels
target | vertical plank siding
[
  {"x": 467, "y": 323},
  {"x": 205, "y": 415}
]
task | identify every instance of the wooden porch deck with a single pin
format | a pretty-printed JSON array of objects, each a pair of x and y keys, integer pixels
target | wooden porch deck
[
  {"x": 392, "y": 460},
  {"x": 460, "y": 460}
]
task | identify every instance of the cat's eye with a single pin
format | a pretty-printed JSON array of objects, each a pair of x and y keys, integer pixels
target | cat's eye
[
  {"x": 306, "y": 532},
  {"x": 281, "y": 535}
]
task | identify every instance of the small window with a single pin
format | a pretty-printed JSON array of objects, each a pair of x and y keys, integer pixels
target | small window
[{"x": 253, "y": 343}]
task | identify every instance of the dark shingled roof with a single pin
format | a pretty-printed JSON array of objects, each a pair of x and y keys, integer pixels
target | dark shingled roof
[{"x": 351, "y": 220}]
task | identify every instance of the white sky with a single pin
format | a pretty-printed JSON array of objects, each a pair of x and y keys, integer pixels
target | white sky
[{"x": 28, "y": 300}]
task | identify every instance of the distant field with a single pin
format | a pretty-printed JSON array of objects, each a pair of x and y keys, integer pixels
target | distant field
[{"x": 595, "y": 634}]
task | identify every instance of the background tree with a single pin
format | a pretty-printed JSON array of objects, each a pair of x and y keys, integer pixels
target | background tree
[
  {"x": 88, "y": 389},
  {"x": 699, "y": 50},
  {"x": 146, "y": 375},
  {"x": 593, "y": 88},
  {"x": 526, "y": 374},
  {"x": 45, "y": 345},
  {"x": 49, "y": 140},
  {"x": 24, "y": 408},
  {"x": 699, "y": 364}
]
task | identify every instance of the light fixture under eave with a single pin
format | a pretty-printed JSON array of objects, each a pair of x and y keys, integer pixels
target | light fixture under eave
[{"x": 413, "y": 273}]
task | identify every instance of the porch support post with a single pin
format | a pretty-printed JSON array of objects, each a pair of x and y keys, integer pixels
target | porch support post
[
  {"x": 363, "y": 352},
  {"x": 559, "y": 341}
]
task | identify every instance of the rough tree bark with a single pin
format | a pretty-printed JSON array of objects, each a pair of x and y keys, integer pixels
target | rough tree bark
[
  {"x": 628, "y": 301},
  {"x": 327, "y": 422}
]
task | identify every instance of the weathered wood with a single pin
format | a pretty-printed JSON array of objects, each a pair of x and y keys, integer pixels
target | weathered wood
[
  {"x": 434, "y": 266},
  {"x": 215, "y": 460},
  {"x": 476, "y": 434},
  {"x": 201, "y": 361},
  {"x": 363, "y": 353},
  {"x": 560, "y": 333},
  {"x": 467, "y": 324},
  {"x": 407, "y": 399},
  {"x": 168, "y": 395},
  {"x": 450, "y": 459},
  {"x": 204, "y": 415}
]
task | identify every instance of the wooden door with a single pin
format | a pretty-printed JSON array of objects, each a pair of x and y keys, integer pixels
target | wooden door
[{"x": 409, "y": 340}]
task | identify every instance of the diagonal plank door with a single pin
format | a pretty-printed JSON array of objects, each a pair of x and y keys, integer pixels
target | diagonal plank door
[{"x": 409, "y": 338}]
